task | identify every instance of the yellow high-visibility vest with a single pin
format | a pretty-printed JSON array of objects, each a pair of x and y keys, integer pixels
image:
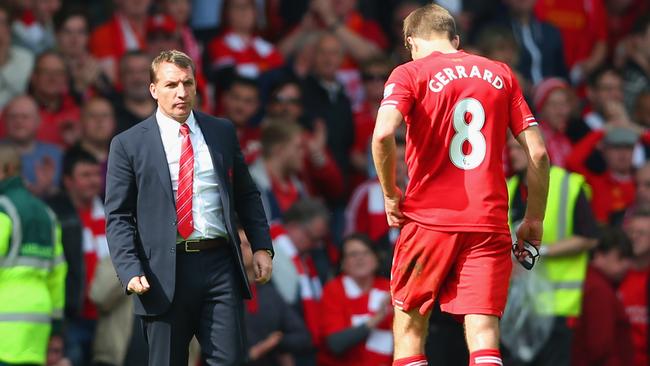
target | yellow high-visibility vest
[{"x": 566, "y": 273}]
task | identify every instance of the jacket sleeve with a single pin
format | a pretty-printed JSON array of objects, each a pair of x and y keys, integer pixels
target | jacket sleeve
[
  {"x": 248, "y": 203},
  {"x": 577, "y": 160},
  {"x": 120, "y": 207}
]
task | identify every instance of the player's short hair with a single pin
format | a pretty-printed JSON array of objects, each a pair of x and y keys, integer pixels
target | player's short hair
[
  {"x": 428, "y": 20},
  {"x": 175, "y": 57},
  {"x": 277, "y": 132}
]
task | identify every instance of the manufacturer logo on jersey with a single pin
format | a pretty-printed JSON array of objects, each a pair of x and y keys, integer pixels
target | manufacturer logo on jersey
[{"x": 388, "y": 90}]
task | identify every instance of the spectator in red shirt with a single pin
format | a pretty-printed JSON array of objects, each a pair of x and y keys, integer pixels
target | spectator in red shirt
[
  {"x": 241, "y": 102},
  {"x": 239, "y": 47},
  {"x": 602, "y": 335},
  {"x": 125, "y": 31},
  {"x": 356, "y": 310},
  {"x": 553, "y": 100},
  {"x": 634, "y": 290},
  {"x": 284, "y": 173},
  {"x": 59, "y": 111},
  {"x": 613, "y": 190},
  {"x": 583, "y": 25},
  {"x": 87, "y": 78}
]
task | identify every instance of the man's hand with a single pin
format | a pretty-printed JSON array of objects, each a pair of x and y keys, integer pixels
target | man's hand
[
  {"x": 138, "y": 285},
  {"x": 263, "y": 266},
  {"x": 393, "y": 212},
  {"x": 265, "y": 346},
  {"x": 530, "y": 231}
]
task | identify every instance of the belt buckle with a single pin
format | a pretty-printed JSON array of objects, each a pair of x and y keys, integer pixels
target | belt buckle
[{"x": 188, "y": 250}]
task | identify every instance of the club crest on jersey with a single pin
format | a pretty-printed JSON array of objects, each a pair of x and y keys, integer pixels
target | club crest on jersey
[
  {"x": 447, "y": 75},
  {"x": 388, "y": 90}
]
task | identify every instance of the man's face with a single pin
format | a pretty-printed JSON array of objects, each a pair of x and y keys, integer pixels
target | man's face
[
  {"x": 50, "y": 77},
  {"x": 242, "y": 15},
  {"x": 619, "y": 158},
  {"x": 134, "y": 74},
  {"x": 609, "y": 88},
  {"x": 638, "y": 229},
  {"x": 557, "y": 109},
  {"x": 374, "y": 78},
  {"x": 329, "y": 56},
  {"x": 98, "y": 121},
  {"x": 85, "y": 182},
  {"x": 240, "y": 104},
  {"x": 287, "y": 102},
  {"x": 73, "y": 36},
  {"x": 643, "y": 187},
  {"x": 175, "y": 90},
  {"x": 342, "y": 8},
  {"x": 22, "y": 120},
  {"x": 293, "y": 154}
]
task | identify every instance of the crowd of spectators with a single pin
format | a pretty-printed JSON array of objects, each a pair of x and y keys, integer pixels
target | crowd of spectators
[{"x": 302, "y": 81}]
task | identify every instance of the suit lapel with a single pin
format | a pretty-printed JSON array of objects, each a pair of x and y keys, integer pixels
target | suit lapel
[{"x": 152, "y": 139}]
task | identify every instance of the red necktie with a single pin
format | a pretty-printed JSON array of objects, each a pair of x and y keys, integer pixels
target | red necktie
[{"x": 185, "y": 182}]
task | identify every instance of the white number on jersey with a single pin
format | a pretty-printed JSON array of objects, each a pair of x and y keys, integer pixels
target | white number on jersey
[{"x": 470, "y": 132}]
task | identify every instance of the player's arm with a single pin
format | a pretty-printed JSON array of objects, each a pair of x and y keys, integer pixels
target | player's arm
[
  {"x": 389, "y": 119},
  {"x": 537, "y": 177}
]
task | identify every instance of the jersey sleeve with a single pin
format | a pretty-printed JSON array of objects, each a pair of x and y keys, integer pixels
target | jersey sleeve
[
  {"x": 398, "y": 90},
  {"x": 520, "y": 115}
]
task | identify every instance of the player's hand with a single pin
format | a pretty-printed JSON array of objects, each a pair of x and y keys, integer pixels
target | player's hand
[
  {"x": 262, "y": 266},
  {"x": 393, "y": 212},
  {"x": 138, "y": 285},
  {"x": 530, "y": 231}
]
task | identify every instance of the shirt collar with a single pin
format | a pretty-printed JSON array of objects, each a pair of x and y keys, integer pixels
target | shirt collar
[{"x": 168, "y": 125}]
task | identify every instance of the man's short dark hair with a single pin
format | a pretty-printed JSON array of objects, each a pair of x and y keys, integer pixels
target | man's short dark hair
[
  {"x": 594, "y": 77},
  {"x": 63, "y": 15},
  {"x": 614, "y": 238},
  {"x": 244, "y": 81},
  {"x": 175, "y": 57},
  {"x": 277, "y": 132},
  {"x": 75, "y": 156},
  {"x": 304, "y": 211}
]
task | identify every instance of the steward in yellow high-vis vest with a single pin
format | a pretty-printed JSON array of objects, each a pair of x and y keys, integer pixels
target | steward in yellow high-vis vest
[{"x": 32, "y": 268}]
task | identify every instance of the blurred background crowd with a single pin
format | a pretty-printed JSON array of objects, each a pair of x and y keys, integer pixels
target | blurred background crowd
[{"x": 302, "y": 81}]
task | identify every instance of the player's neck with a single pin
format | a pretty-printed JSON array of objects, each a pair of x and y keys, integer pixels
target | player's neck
[{"x": 427, "y": 47}]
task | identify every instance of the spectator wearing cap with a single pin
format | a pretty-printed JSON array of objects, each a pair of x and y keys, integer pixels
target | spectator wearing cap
[
  {"x": 602, "y": 333},
  {"x": 59, "y": 111},
  {"x": 15, "y": 62},
  {"x": 553, "y": 101},
  {"x": 125, "y": 31},
  {"x": 87, "y": 78},
  {"x": 614, "y": 189},
  {"x": 239, "y": 48}
]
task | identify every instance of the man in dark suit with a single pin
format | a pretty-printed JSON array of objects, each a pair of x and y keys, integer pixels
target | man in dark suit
[{"x": 175, "y": 184}]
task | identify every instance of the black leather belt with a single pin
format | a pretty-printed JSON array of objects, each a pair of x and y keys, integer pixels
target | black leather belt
[{"x": 197, "y": 245}]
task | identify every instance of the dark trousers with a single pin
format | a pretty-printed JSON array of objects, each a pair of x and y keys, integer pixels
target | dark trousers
[{"x": 207, "y": 303}]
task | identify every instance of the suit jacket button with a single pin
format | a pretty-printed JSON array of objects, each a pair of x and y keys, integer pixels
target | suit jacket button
[{"x": 172, "y": 250}]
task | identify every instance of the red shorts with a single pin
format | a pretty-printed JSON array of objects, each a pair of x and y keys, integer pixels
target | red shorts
[{"x": 469, "y": 272}]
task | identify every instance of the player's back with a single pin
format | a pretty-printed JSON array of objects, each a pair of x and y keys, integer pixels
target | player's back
[{"x": 457, "y": 108}]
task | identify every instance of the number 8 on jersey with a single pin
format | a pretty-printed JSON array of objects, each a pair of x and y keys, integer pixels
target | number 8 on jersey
[{"x": 472, "y": 110}]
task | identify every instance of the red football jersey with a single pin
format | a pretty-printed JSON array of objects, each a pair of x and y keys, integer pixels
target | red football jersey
[{"x": 457, "y": 108}]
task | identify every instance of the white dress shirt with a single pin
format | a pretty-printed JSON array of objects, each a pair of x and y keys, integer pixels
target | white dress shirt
[{"x": 207, "y": 211}]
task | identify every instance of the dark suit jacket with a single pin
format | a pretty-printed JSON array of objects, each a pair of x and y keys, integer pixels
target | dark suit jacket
[{"x": 141, "y": 213}]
